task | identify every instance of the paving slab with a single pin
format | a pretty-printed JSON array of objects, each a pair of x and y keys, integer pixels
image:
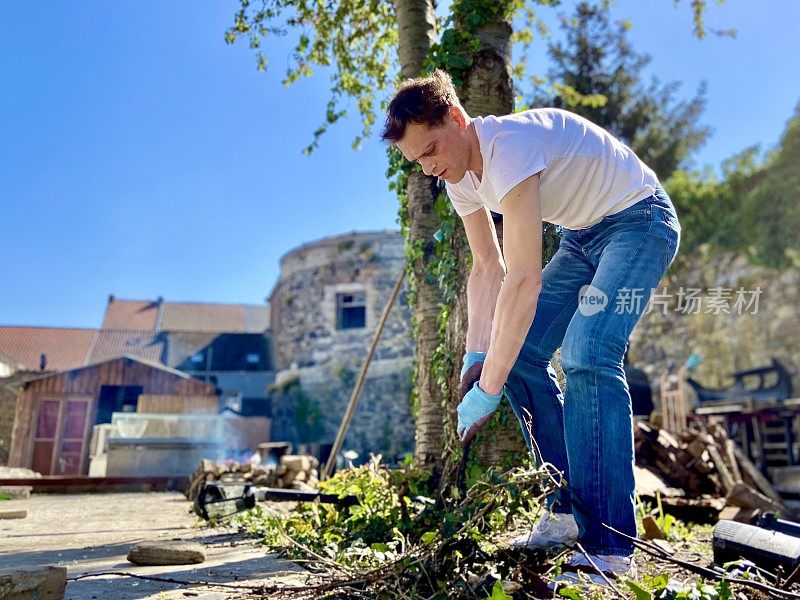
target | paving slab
[
  {"x": 33, "y": 583},
  {"x": 93, "y": 533},
  {"x": 13, "y": 514}
]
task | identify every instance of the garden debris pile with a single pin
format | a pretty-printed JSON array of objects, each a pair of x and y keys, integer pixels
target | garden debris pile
[{"x": 701, "y": 469}]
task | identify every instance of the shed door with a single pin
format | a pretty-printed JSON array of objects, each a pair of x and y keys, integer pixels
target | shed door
[{"x": 59, "y": 443}]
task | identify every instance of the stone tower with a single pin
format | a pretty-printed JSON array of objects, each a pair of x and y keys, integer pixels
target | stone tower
[{"x": 325, "y": 308}]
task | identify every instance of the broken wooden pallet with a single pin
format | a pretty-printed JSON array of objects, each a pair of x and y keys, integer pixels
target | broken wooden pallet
[{"x": 705, "y": 463}]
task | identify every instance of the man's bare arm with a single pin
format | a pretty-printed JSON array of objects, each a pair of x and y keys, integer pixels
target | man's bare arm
[
  {"x": 485, "y": 277},
  {"x": 519, "y": 293}
]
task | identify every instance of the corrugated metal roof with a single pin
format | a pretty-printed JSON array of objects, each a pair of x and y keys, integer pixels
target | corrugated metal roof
[
  {"x": 131, "y": 314},
  {"x": 65, "y": 348}
]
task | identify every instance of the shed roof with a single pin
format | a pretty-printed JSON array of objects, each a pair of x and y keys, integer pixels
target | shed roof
[{"x": 211, "y": 389}]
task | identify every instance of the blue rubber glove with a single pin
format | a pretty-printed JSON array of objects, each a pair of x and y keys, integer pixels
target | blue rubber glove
[
  {"x": 470, "y": 358},
  {"x": 475, "y": 410}
]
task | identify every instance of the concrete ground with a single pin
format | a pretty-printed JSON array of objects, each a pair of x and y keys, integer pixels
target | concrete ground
[{"x": 92, "y": 533}]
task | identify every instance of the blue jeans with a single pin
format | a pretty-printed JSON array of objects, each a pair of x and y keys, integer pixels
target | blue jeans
[{"x": 586, "y": 432}]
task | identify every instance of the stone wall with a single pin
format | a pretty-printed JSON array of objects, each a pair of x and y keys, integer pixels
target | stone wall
[
  {"x": 318, "y": 361},
  {"x": 728, "y": 337},
  {"x": 308, "y": 405},
  {"x": 303, "y": 303}
]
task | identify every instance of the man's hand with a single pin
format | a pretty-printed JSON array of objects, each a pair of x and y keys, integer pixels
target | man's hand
[
  {"x": 470, "y": 358},
  {"x": 471, "y": 372},
  {"x": 474, "y": 411}
]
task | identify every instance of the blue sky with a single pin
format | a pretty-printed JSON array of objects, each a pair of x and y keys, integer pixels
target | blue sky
[{"x": 142, "y": 156}]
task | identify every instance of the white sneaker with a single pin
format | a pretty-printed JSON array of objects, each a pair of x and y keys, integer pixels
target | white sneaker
[
  {"x": 579, "y": 570},
  {"x": 553, "y": 530}
]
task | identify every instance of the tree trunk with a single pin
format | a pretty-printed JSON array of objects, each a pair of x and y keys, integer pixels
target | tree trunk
[
  {"x": 416, "y": 27},
  {"x": 487, "y": 90},
  {"x": 416, "y": 30}
]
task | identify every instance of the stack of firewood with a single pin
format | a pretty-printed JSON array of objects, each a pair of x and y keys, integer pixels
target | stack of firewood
[
  {"x": 704, "y": 465},
  {"x": 293, "y": 472}
]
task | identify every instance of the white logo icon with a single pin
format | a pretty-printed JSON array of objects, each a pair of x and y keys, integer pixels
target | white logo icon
[{"x": 591, "y": 300}]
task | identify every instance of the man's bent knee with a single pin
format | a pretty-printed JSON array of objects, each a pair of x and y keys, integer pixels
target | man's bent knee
[{"x": 592, "y": 354}]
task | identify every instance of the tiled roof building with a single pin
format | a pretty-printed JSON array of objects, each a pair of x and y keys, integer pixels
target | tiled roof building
[
  {"x": 194, "y": 317},
  {"x": 157, "y": 331},
  {"x": 63, "y": 348}
]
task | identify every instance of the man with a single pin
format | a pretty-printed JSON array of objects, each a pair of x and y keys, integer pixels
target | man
[{"x": 619, "y": 234}]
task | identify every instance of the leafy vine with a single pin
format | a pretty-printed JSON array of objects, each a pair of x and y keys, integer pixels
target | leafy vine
[{"x": 454, "y": 53}]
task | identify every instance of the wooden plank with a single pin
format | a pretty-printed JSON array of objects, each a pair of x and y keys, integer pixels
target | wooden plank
[
  {"x": 762, "y": 484},
  {"x": 82, "y": 484},
  {"x": 744, "y": 496},
  {"x": 725, "y": 475},
  {"x": 169, "y": 403},
  {"x": 667, "y": 439},
  {"x": 757, "y": 442},
  {"x": 724, "y": 445},
  {"x": 696, "y": 448},
  {"x": 737, "y": 474}
]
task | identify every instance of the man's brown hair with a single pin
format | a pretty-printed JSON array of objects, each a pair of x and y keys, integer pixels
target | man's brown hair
[{"x": 425, "y": 100}]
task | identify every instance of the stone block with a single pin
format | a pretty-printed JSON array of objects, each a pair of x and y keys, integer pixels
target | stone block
[
  {"x": 33, "y": 583},
  {"x": 296, "y": 463},
  {"x": 167, "y": 553},
  {"x": 13, "y": 514}
]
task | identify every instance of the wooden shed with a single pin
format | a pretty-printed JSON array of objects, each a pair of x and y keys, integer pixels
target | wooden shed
[{"x": 56, "y": 412}]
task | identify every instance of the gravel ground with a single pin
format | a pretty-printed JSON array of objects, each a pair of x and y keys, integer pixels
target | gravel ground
[{"x": 92, "y": 533}]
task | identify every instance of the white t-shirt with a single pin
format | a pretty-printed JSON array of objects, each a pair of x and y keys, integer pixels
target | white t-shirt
[{"x": 586, "y": 173}]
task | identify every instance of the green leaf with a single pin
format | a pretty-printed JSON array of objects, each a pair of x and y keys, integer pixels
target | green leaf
[
  {"x": 571, "y": 593},
  {"x": 427, "y": 538},
  {"x": 725, "y": 592},
  {"x": 640, "y": 593},
  {"x": 660, "y": 581},
  {"x": 498, "y": 593}
]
